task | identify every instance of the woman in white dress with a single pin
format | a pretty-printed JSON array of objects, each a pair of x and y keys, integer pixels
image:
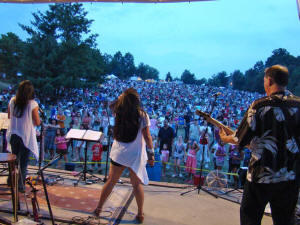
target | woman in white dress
[
  {"x": 21, "y": 136},
  {"x": 131, "y": 135}
]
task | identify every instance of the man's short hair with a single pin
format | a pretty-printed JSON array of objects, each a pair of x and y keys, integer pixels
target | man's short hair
[{"x": 279, "y": 73}]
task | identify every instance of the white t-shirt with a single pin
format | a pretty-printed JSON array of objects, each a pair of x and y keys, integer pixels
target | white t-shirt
[
  {"x": 23, "y": 127},
  {"x": 133, "y": 154}
]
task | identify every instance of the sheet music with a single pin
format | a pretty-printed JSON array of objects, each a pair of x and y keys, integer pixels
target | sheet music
[
  {"x": 75, "y": 133},
  {"x": 92, "y": 135},
  {"x": 4, "y": 121}
]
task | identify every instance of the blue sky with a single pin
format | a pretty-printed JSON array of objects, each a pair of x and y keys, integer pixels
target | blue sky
[{"x": 203, "y": 37}]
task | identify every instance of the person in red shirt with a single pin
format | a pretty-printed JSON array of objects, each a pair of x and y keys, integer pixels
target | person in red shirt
[{"x": 97, "y": 149}]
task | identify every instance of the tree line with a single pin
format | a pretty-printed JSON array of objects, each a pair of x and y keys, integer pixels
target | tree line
[
  {"x": 61, "y": 52},
  {"x": 252, "y": 79}
]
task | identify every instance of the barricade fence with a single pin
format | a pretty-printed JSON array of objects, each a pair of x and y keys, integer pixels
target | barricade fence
[{"x": 168, "y": 163}]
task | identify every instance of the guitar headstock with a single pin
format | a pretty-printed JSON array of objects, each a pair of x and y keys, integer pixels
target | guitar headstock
[{"x": 203, "y": 114}]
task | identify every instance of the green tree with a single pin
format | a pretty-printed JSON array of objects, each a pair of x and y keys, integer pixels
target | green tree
[
  {"x": 201, "y": 81},
  {"x": 128, "y": 65},
  {"x": 187, "y": 77},
  {"x": 281, "y": 56},
  {"x": 294, "y": 81},
  {"x": 116, "y": 65},
  {"x": 238, "y": 80},
  {"x": 169, "y": 77},
  {"x": 11, "y": 53},
  {"x": 147, "y": 72},
  {"x": 61, "y": 51},
  {"x": 219, "y": 80}
]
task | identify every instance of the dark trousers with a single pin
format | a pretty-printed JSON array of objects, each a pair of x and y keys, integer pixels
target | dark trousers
[
  {"x": 282, "y": 196},
  {"x": 186, "y": 132},
  {"x": 22, "y": 154}
]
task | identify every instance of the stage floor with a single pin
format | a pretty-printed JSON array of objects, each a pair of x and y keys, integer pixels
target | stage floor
[{"x": 163, "y": 204}]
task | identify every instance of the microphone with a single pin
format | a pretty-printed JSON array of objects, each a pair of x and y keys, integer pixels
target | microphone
[
  {"x": 43, "y": 115},
  {"x": 217, "y": 94},
  {"x": 41, "y": 111}
]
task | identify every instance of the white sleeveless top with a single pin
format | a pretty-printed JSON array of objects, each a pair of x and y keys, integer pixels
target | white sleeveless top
[
  {"x": 133, "y": 154},
  {"x": 23, "y": 127}
]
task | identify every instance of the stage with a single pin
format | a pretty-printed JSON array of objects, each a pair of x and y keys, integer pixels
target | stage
[{"x": 163, "y": 204}]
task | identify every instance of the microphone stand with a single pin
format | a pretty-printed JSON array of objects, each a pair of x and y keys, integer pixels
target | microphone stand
[
  {"x": 41, "y": 155},
  {"x": 40, "y": 170},
  {"x": 108, "y": 142},
  {"x": 199, "y": 187},
  {"x": 40, "y": 173},
  {"x": 108, "y": 148}
]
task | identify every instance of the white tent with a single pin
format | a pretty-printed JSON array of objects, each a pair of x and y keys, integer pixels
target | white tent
[
  {"x": 135, "y": 78},
  {"x": 111, "y": 76}
]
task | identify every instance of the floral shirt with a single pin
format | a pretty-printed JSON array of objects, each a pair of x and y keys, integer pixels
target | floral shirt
[{"x": 269, "y": 129}]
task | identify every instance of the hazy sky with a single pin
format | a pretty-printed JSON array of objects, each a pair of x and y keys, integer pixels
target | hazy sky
[{"x": 203, "y": 37}]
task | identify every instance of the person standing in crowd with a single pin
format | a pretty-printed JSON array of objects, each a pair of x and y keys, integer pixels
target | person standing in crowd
[
  {"x": 165, "y": 153},
  {"x": 96, "y": 121},
  {"x": 21, "y": 135},
  {"x": 191, "y": 161},
  {"x": 61, "y": 145},
  {"x": 271, "y": 129},
  {"x": 178, "y": 156},
  {"x": 131, "y": 135},
  {"x": 86, "y": 120},
  {"x": 61, "y": 119},
  {"x": 220, "y": 155},
  {"x": 195, "y": 131},
  {"x": 166, "y": 136},
  {"x": 50, "y": 134},
  {"x": 236, "y": 157},
  {"x": 97, "y": 150},
  {"x": 187, "y": 121}
]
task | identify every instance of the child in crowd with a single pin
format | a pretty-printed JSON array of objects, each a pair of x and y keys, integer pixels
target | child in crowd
[
  {"x": 50, "y": 134},
  {"x": 191, "y": 161},
  {"x": 165, "y": 158},
  {"x": 236, "y": 158},
  {"x": 220, "y": 155},
  {"x": 61, "y": 145},
  {"x": 97, "y": 149},
  {"x": 179, "y": 152}
]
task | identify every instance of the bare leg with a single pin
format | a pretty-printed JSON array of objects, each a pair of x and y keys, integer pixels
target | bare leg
[
  {"x": 138, "y": 191},
  {"x": 114, "y": 174},
  {"x": 178, "y": 164},
  {"x": 175, "y": 165}
]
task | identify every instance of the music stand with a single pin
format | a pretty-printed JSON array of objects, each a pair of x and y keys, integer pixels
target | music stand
[{"x": 87, "y": 136}]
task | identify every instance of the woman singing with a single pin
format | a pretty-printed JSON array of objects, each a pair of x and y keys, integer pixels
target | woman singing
[
  {"x": 23, "y": 114},
  {"x": 131, "y": 135}
]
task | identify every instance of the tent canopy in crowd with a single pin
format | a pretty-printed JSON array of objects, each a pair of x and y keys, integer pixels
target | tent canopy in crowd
[{"x": 111, "y": 76}]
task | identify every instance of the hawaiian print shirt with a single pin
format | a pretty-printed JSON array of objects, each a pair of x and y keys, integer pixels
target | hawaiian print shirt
[{"x": 270, "y": 128}]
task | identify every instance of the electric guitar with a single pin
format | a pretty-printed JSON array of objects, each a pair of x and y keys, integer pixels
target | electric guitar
[{"x": 214, "y": 122}]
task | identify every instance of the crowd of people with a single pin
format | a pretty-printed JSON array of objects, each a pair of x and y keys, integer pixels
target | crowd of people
[
  {"x": 177, "y": 132},
  {"x": 269, "y": 127}
]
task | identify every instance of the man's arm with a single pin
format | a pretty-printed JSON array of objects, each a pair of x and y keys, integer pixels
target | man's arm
[{"x": 228, "y": 138}]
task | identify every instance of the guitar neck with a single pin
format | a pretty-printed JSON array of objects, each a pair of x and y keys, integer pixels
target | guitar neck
[{"x": 219, "y": 125}]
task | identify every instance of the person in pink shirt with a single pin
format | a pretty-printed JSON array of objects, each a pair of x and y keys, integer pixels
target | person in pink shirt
[{"x": 61, "y": 145}]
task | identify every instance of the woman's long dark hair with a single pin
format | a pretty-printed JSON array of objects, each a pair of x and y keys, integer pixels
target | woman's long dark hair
[
  {"x": 25, "y": 93},
  {"x": 128, "y": 113}
]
